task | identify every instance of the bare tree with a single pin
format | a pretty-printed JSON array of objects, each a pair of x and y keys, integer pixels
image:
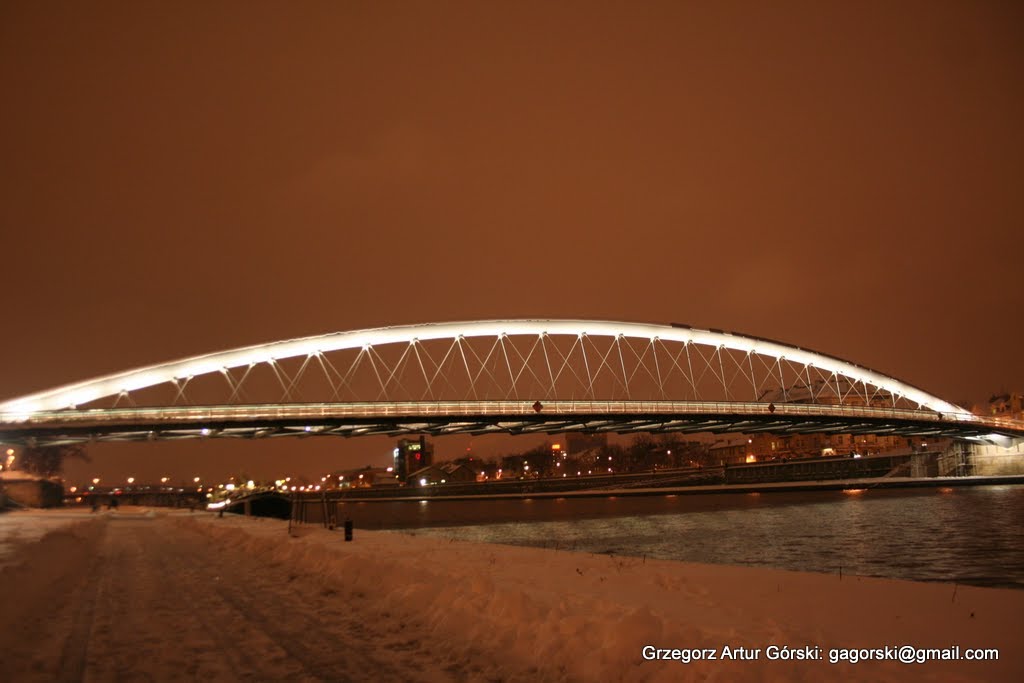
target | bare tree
[{"x": 48, "y": 461}]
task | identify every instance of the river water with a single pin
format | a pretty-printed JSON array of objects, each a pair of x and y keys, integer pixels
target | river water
[{"x": 970, "y": 535}]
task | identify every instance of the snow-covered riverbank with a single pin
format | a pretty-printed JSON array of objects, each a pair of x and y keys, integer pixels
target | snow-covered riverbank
[
  {"x": 588, "y": 617},
  {"x": 241, "y": 599},
  {"x": 22, "y": 527}
]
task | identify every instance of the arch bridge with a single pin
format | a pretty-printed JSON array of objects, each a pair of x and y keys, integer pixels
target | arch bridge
[{"x": 494, "y": 376}]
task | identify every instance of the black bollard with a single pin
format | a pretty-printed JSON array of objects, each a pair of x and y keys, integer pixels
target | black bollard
[{"x": 348, "y": 529}]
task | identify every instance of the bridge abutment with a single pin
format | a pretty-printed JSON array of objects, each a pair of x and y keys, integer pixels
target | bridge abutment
[{"x": 989, "y": 460}]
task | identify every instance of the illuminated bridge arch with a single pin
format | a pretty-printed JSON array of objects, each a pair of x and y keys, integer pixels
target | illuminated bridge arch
[
  {"x": 626, "y": 360},
  {"x": 511, "y": 376}
]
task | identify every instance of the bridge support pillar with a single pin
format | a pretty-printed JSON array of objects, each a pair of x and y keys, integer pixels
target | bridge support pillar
[{"x": 247, "y": 506}]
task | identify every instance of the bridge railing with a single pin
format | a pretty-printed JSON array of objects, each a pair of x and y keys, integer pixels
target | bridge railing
[{"x": 427, "y": 409}]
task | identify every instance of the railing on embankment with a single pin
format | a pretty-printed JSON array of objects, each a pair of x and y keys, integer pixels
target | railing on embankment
[{"x": 819, "y": 469}]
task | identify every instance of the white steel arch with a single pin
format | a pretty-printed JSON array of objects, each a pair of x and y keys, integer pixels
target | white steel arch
[{"x": 72, "y": 395}]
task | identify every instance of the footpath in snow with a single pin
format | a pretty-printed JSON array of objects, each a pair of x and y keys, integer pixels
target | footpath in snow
[{"x": 173, "y": 596}]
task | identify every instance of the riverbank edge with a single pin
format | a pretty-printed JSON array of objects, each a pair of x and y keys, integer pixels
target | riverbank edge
[{"x": 773, "y": 487}]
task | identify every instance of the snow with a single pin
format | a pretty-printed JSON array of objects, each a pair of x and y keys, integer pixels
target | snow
[
  {"x": 22, "y": 527},
  {"x": 584, "y": 616},
  {"x": 241, "y": 598}
]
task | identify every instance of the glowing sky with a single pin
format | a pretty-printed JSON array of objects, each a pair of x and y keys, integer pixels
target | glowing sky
[{"x": 185, "y": 178}]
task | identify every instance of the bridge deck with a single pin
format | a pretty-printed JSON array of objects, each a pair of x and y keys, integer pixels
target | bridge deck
[{"x": 483, "y": 417}]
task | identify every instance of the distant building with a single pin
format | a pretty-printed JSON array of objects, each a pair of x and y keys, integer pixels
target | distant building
[
  {"x": 365, "y": 477},
  {"x": 412, "y": 455},
  {"x": 444, "y": 473},
  {"x": 1007, "y": 405},
  {"x": 460, "y": 473},
  {"x": 731, "y": 450},
  {"x": 482, "y": 469},
  {"x": 790, "y": 446}
]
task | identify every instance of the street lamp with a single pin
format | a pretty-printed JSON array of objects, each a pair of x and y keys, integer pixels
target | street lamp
[{"x": 131, "y": 480}]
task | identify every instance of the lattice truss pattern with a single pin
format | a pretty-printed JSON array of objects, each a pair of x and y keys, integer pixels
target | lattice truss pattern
[{"x": 529, "y": 367}]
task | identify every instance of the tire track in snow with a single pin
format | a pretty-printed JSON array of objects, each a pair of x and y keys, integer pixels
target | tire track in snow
[{"x": 76, "y": 646}]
